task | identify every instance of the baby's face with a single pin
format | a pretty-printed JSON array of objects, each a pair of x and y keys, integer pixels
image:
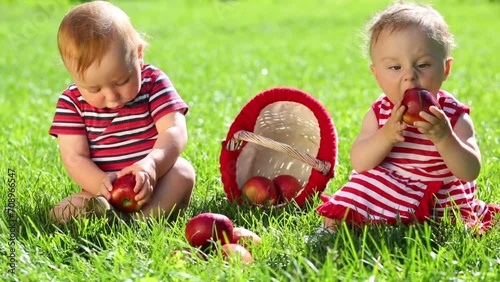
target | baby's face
[
  {"x": 406, "y": 59},
  {"x": 112, "y": 83}
]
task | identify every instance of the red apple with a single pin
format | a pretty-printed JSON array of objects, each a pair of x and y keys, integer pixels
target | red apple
[
  {"x": 231, "y": 250},
  {"x": 260, "y": 190},
  {"x": 207, "y": 228},
  {"x": 416, "y": 100},
  {"x": 242, "y": 236},
  {"x": 123, "y": 195},
  {"x": 288, "y": 186}
]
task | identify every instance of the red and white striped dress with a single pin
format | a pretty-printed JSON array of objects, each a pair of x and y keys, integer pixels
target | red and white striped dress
[{"x": 411, "y": 184}]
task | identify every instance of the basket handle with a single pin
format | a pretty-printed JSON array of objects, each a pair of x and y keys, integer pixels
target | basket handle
[{"x": 243, "y": 135}]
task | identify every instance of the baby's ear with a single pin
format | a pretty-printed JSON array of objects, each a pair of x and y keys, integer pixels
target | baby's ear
[
  {"x": 140, "y": 54},
  {"x": 447, "y": 67},
  {"x": 140, "y": 51}
]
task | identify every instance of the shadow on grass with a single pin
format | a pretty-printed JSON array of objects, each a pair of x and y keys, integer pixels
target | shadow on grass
[
  {"x": 246, "y": 214},
  {"x": 399, "y": 243},
  {"x": 86, "y": 238}
]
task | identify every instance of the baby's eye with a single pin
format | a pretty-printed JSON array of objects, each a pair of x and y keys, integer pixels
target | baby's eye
[
  {"x": 123, "y": 82},
  {"x": 94, "y": 90},
  {"x": 421, "y": 66},
  {"x": 395, "y": 67}
]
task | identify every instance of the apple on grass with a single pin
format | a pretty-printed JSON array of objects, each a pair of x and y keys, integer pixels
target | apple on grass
[
  {"x": 234, "y": 250},
  {"x": 288, "y": 186},
  {"x": 243, "y": 236},
  {"x": 205, "y": 229},
  {"x": 416, "y": 100},
  {"x": 123, "y": 195},
  {"x": 260, "y": 190}
]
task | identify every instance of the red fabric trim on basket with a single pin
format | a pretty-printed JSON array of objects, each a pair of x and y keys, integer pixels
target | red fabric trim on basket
[{"x": 246, "y": 120}]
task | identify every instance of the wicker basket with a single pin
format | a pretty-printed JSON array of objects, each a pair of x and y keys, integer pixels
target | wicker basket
[{"x": 280, "y": 131}]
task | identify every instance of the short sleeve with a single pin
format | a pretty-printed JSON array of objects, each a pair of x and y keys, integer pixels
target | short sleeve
[
  {"x": 163, "y": 97},
  {"x": 382, "y": 107},
  {"x": 452, "y": 107},
  {"x": 67, "y": 118}
]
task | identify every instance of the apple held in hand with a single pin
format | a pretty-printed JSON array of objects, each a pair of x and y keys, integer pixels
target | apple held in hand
[
  {"x": 123, "y": 195},
  {"x": 260, "y": 190},
  {"x": 416, "y": 100},
  {"x": 231, "y": 250},
  {"x": 288, "y": 186},
  {"x": 206, "y": 228}
]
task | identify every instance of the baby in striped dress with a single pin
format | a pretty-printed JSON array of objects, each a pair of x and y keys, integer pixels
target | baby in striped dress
[
  {"x": 120, "y": 116},
  {"x": 410, "y": 173}
]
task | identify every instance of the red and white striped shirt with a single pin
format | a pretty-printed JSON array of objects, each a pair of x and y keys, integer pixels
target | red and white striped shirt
[
  {"x": 119, "y": 137},
  {"x": 412, "y": 183}
]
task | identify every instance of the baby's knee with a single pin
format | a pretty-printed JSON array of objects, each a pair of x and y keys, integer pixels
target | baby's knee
[{"x": 185, "y": 172}]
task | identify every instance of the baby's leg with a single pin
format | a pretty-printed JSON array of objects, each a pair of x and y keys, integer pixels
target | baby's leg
[
  {"x": 332, "y": 223},
  {"x": 173, "y": 191},
  {"x": 70, "y": 207}
]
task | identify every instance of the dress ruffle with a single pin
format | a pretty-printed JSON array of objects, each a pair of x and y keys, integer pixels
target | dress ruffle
[{"x": 331, "y": 209}]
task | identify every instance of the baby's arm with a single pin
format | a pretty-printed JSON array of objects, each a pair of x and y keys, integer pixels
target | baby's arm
[
  {"x": 373, "y": 144},
  {"x": 458, "y": 146},
  {"x": 172, "y": 138},
  {"x": 76, "y": 159}
]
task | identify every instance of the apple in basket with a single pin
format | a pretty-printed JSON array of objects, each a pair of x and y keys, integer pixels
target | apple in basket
[
  {"x": 260, "y": 190},
  {"x": 123, "y": 195},
  {"x": 205, "y": 229},
  {"x": 416, "y": 100},
  {"x": 232, "y": 250},
  {"x": 288, "y": 186}
]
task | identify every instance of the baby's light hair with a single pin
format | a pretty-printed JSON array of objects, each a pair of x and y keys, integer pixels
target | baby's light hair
[
  {"x": 88, "y": 30},
  {"x": 400, "y": 16}
]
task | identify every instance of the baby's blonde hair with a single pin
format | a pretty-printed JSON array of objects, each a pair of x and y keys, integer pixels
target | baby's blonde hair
[
  {"x": 400, "y": 16},
  {"x": 88, "y": 30}
]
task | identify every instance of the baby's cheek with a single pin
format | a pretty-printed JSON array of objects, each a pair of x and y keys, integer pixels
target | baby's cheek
[{"x": 95, "y": 100}]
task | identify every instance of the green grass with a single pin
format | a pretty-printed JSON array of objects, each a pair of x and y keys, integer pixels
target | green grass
[{"x": 214, "y": 52}]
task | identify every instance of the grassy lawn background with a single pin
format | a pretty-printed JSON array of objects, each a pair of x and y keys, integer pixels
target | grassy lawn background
[{"x": 215, "y": 51}]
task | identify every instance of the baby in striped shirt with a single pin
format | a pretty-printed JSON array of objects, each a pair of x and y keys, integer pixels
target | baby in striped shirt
[{"x": 120, "y": 116}]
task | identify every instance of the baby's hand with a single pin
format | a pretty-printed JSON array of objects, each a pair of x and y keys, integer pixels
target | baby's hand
[
  {"x": 145, "y": 191},
  {"x": 143, "y": 188},
  {"x": 437, "y": 127},
  {"x": 107, "y": 185},
  {"x": 394, "y": 127},
  {"x": 144, "y": 181}
]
